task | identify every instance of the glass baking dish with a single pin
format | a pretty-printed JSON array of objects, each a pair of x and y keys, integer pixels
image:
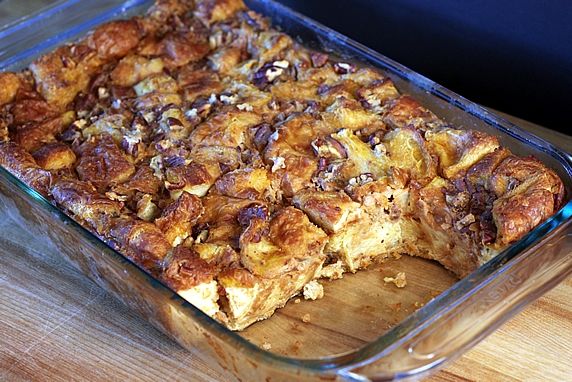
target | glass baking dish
[{"x": 375, "y": 332}]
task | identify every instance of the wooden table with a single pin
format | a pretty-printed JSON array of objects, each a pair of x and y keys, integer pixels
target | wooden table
[{"x": 57, "y": 325}]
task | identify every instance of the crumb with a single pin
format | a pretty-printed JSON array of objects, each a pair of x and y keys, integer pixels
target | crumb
[
  {"x": 313, "y": 290},
  {"x": 297, "y": 301},
  {"x": 266, "y": 346},
  {"x": 418, "y": 304},
  {"x": 333, "y": 271},
  {"x": 306, "y": 318},
  {"x": 244, "y": 106},
  {"x": 399, "y": 280}
]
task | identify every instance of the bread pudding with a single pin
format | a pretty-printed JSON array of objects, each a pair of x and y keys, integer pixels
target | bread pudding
[{"x": 238, "y": 167}]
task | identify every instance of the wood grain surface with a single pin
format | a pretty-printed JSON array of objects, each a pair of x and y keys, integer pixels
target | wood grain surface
[{"x": 56, "y": 325}]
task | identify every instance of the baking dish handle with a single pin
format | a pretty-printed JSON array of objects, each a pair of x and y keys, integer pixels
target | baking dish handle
[{"x": 506, "y": 292}]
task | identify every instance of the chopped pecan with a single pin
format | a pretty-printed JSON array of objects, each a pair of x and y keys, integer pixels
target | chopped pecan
[
  {"x": 378, "y": 93},
  {"x": 344, "y": 68},
  {"x": 465, "y": 221},
  {"x": 329, "y": 148},
  {"x": 360, "y": 180},
  {"x": 254, "y": 211},
  {"x": 268, "y": 73},
  {"x": 318, "y": 59},
  {"x": 132, "y": 144},
  {"x": 261, "y": 135},
  {"x": 458, "y": 201}
]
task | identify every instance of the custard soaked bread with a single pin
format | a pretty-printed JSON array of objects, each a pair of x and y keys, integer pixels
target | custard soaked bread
[{"x": 237, "y": 166}]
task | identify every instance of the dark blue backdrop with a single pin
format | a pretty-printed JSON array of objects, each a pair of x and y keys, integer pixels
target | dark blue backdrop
[{"x": 515, "y": 56}]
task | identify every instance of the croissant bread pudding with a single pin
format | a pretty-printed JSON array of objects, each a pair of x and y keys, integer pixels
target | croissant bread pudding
[{"x": 237, "y": 166}]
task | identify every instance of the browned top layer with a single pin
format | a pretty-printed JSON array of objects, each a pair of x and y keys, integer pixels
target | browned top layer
[{"x": 201, "y": 128}]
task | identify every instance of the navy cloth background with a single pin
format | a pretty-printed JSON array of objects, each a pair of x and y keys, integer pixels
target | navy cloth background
[{"x": 515, "y": 56}]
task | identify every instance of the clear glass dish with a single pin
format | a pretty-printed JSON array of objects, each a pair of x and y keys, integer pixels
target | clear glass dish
[{"x": 385, "y": 336}]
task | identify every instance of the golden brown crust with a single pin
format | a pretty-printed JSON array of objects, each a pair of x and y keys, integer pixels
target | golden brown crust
[
  {"x": 481, "y": 171},
  {"x": 183, "y": 48},
  {"x": 55, "y": 156},
  {"x": 328, "y": 209},
  {"x": 194, "y": 178},
  {"x": 60, "y": 76},
  {"x": 517, "y": 215},
  {"x": 22, "y": 165},
  {"x": 102, "y": 163},
  {"x": 247, "y": 184},
  {"x": 222, "y": 256},
  {"x": 273, "y": 247},
  {"x": 407, "y": 151},
  {"x": 227, "y": 129},
  {"x": 459, "y": 149},
  {"x": 178, "y": 218},
  {"x": 513, "y": 171},
  {"x": 528, "y": 194},
  {"x": 210, "y": 11},
  {"x": 9, "y": 85},
  {"x": 405, "y": 111},
  {"x": 185, "y": 269},
  {"x": 221, "y": 218},
  {"x": 32, "y": 136},
  {"x": 199, "y": 83},
  {"x": 349, "y": 114},
  {"x": 237, "y": 276},
  {"x": 115, "y": 39},
  {"x": 85, "y": 203},
  {"x": 143, "y": 181},
  {"x": 144, "y": 240},
  {"x": 133, "y": 69},
  {"x": 32, "y": 110}
]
